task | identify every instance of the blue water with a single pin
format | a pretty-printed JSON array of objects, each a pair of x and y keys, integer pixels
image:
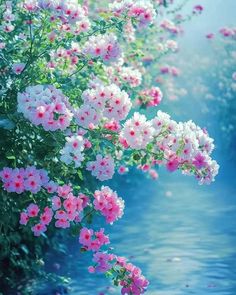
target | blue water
[{"x": 182, "y": 235}]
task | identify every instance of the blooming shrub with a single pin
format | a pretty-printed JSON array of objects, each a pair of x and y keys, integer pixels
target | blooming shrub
[{"x": 69, "y": 78}]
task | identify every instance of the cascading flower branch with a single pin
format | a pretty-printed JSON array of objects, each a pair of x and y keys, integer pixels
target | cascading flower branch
[{"x": 163, "y": 141}]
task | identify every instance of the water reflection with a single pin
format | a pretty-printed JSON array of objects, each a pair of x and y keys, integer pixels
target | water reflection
[{"x": 180, "y": 234}]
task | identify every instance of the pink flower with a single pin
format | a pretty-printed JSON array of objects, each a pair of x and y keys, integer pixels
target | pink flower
[
  {"x": 18, "y": 68},
  {"x": 198, "y": 9},
  {"x": 56, "y": 203},
  {"x": 137, "y": 131},
  {"x": 102, "y": 168},
  {"x": 87, "y": 143},
  {"x": 38, "y": 229},
  {"x": 102, "y": 238},
  {"x": 46, "y": 217},
  {"x": 60, "y": 214},
  {"x": 2, "y": 45},
  {"x": 172, "y": 165},
  {"x": 70, "y": 204},
  {"x": 16, "y": 185},
  {"x": 122, "y": 169},
  {"x": 85, "y": 200},
  {"x": 153, "y": 174},
  {"x": 109, "y": 204},
  {"x": 104, "y": 46},
  {"x": 102, "y": 261},
  {"x": 112, "y": 125},
  {"x": 145, "y": 167},
  {"x": 210, "y": 36},
  {"x": 24, "y": 218},
  {"x": 199, "y": 161},
  {"x": 39, "y": 104},
  {"x": 51, "y": 187},
  {"x": 151, "y": 97},
  {"x": 85, "y": 236},
  {"x": 64, "y": 190},
  {"x": 91, "y": 269},
  {"x": 6, "y": 173},
  {"x": 32, "y": 210},
  {"x": 7, "y": 27},
  {"x": 33, "y": 184},
  {"x": 93, "y": 241},
  {"x": 62, "y": 223},
  {"x": 30, "y": 5}
]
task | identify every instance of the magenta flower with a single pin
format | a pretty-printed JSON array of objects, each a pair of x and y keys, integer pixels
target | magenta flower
[
  {"x": 199, "y": 161},
  {"x": 172, "y": 165}
]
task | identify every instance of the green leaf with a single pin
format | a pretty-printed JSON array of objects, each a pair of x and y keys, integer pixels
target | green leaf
[
  {"x": 80, "y": 175},
  {"x": 136, "y": 157},
  {"x": 11, "y": 157}
]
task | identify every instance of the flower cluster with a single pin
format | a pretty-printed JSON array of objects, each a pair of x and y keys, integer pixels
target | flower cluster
[
  {"x": 167, "y": 46},
  {"x": 186, "y": 146},
  {"x": 8, "y": 18},
  {"x": 170, "y": 27},
  {"x": 103, "y": 168},
  {"x": 103, "y": 102},
  {"x": 142, "y": 11},
  {"x": 93, "y": 241},
  {"x": 137, "y": 132},
  {"x": 109, "y": 204},
  {"x": 131, "y": 279},
  {"x": 64, "y": 208},
  {"x": 45, "y": 105},
  {"x": 228, "y": 32},
  {"x": 32, "y": 211},
  {"x": 73, "y": 17},
  {"x": 86, "y": 116},
  {"x": 73, "y": 150},
  {"x": 104, "y": 46},
  {"x": 169, "y": 70},
  {"x": 150, "y": 97},
  {"x": 112, "y": 125},
  {"x": 63, "y": 58},
  {"x": 122, "y": 74},
  {"x": 20, "y": 180}
]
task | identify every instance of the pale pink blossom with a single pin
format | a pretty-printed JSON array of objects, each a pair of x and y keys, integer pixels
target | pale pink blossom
[{"x": 18, "y": 68}]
